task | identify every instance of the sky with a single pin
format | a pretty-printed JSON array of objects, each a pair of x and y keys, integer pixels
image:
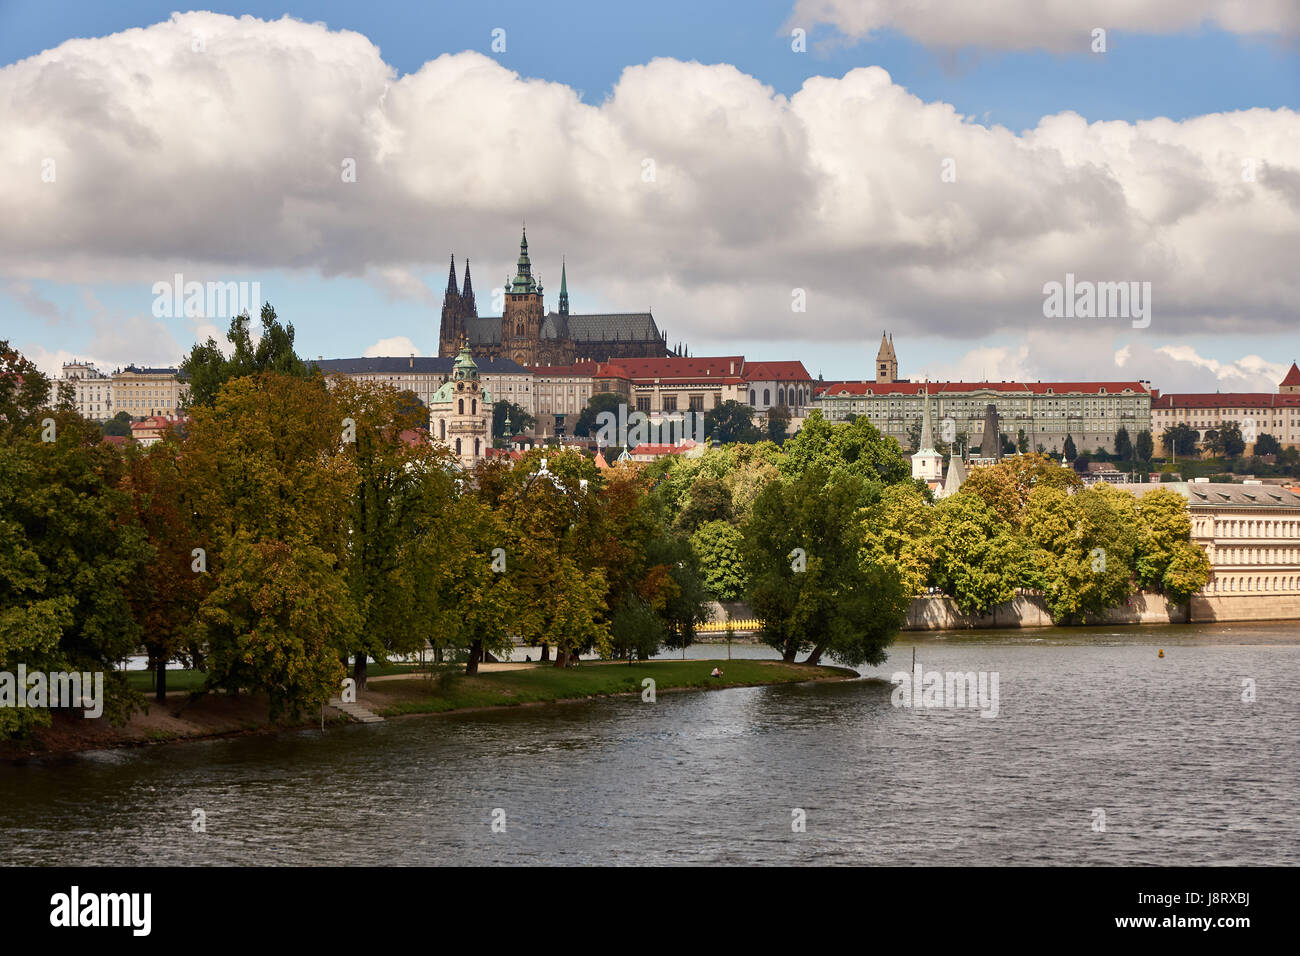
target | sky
[{"x": 778, "y": 180}]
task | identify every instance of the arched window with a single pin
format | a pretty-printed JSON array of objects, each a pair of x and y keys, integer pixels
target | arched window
[
  {"x": 460, "y": 406},
  {"x": 751, "y": 396},
  {"x": 442, "y": 428},
  {"x": 476, "y": 447},
  {"x": 458, "y": 446},
  {"x": 473, "y": 406},
  {"x": 767, "y": 396}
]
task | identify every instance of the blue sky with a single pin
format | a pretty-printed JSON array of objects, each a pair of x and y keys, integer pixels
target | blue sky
[{"x": 587, "y": 46}]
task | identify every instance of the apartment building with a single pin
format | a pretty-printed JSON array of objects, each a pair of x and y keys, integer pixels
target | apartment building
[
  {"x": 505, "y": 379},
  {"x": 1255, "y": 413}
]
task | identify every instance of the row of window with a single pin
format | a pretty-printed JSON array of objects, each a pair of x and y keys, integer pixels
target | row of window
[
  {"x": 1263, "y": 582},
  {"x": 1229, "y": 556},
  {"x": 1256, "y": 528}
]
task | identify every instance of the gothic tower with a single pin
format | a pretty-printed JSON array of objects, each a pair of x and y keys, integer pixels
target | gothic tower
[
  {"x": 564, "y": 288},
  {"x": 452, "y": 329},
  {"x": 521, "y": 323},
  {"x": 886, "y": 361}
]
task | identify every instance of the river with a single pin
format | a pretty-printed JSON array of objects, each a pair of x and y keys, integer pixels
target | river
[{"x": 1089, "y": 721}]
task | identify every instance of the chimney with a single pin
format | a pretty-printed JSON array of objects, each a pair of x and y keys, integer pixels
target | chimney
[
  {"x": 412, "y": 365},
  {"x": 733, "y": 369}
]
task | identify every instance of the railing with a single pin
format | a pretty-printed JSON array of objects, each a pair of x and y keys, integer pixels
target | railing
[{"x": 720, "y": 627}]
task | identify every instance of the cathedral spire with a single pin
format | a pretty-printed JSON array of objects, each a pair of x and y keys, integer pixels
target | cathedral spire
[
  {"x": 564, "y": 289},
  {"x": 523, "y": 284},
  {"x": 452, "y": 291},
  {"x": 467, "y": 294}
]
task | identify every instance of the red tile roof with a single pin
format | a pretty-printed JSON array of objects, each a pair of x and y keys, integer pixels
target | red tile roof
[
  {"x": 1216, "y": 400},
  {"x": 941, "y": 388},
  {"x": 1292, "y": 377},
  {"x": 724, "y": 369},
  {"x": 776, "y": 372}
]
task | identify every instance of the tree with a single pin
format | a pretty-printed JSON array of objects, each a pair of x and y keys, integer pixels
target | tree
[
  {"x": 520, "y": 420},
  {"x": 844, "y": 450},
  {"x": 1070, "y": 452},
  {"x": 1230, "y": 444},
  {"x": 588, "y": 423},
  {"x": 978, "y": 558},
  {"x": 1144, "y": 447},
  {"x": 1083, "y": 548},
  {"x": 1123, "y": 445},
  {"x": 1022, "y": 442},
  {"x": 208, "y": 368},
  {"x": 399, "y": 474},
  {"x": 778, "y": 423},
  {"x": 719, "y": 546},
  {"x": 1006, "y": 486},
  {"x": 731, "y": 422},
  {"x": 709, "y": 500},
  {"x": 1163, "y": 562},
  {"x": 896, "y": 535},
  {"x": 119, "y": 425},
  {"x": 165, "y": 599},
  {"x": 1267, "y": 445},
  {"x": 1179, "y": 439},
  {"x": 806, "y": 581},
  {"x": 278, "y": 621}
]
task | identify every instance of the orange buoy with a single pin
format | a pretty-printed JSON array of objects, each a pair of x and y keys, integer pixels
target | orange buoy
[{"x": 1162, "y": 652}]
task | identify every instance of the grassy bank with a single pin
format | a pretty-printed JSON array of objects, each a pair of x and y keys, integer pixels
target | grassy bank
[{"x": 541, "y": 683}]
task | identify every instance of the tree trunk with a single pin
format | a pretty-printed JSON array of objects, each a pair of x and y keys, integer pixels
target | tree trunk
[
  {"x": 816, "y": 656},
  {"x": 546, "y": 652},
  {"x": 359, "y": 670},
  {"x": 475, "y": 652},
  {"x": 788, "y": 654},
  {"x": 160, "y": 682},
  {"x": 561, "y": 658}
]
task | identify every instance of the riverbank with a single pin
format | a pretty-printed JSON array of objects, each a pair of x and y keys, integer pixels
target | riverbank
[{"x": 399, "y": 695}]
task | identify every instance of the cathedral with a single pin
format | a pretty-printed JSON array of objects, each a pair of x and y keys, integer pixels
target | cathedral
[{"x": 529, "y": 335}]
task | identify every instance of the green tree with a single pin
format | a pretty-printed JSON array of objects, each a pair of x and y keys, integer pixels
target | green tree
[
  {"x": 208, "y": 369},
  {"x": 778, "y": 423},
  {"x": 1070, "y": 451},
  {"x": 119, "y": 425},
  {"x": 978, "y": 558},
  {"x": 720, "y": 545},
  {"x": 1022, "y": 442},
  {"x": 731, "y": 422},
  {"x": 1123, "y": 445},
  {"x": 806, "y": 581},
  {"x": 397, "y": 470},
  {"x": 844, "y": 450},
  {"x": 1144, "y": 447},
  {"x": 278, "y": 621},
  {"x": 1006, "y": 486},
  {"x": 520, "y": 421},
  {"x": 896, "y": 535},
  {"x": 709, "y": 500},
  {"x": 69, "y": 548},
  {"x": 1163, "y": 562},
  {"x": 1179, "y": 439},
  {"x": 1083, "y": 547},
  {"x": 588, "y": 423},
  {"x": 1267, "y": 445}
]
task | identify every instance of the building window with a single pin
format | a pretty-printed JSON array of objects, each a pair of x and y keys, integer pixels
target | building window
[
  {"x": 643, "y": 403},
  {"x": 767, "y": 396},
  {"x": 751, "y": 396},
  {"x": 460, "y": 406},
  {"x": 670, "y": 403},
  {"x": 697, "y": 403},
  {"x": 458, "y": 446}
]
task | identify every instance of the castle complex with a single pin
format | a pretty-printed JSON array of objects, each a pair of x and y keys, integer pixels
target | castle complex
[{"x": 529, "y": 335}]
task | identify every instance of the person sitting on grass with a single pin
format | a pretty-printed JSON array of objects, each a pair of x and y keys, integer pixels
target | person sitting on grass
[{"x": 717, "y": 672}]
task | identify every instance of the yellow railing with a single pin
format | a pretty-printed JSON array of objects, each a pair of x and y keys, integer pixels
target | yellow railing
[{"x": 720, "y": 627}]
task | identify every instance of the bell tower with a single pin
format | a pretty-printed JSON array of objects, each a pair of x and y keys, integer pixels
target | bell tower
[{"x": 521, "y": 321}]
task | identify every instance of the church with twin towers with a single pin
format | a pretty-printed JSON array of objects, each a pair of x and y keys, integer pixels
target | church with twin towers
[{"x": 526, "y": 333}]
